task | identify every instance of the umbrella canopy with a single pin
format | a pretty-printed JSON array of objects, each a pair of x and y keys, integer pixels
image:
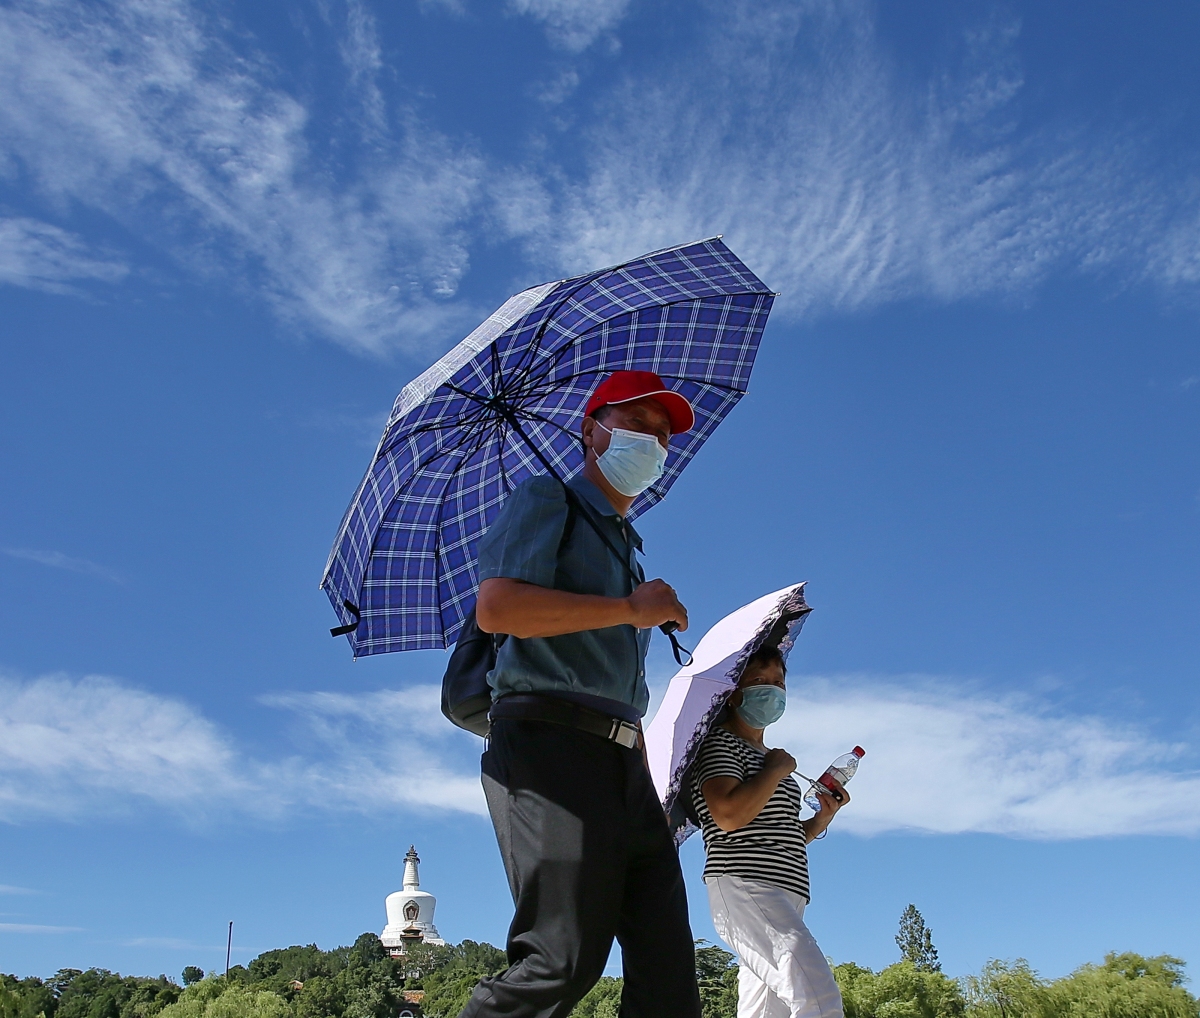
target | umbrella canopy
[
  {"x": 699, "y": 690},
  {"x": 506, "y": 404}
]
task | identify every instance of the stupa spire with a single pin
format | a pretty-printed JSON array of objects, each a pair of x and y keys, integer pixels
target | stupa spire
[{"x": 411, "y": 882}]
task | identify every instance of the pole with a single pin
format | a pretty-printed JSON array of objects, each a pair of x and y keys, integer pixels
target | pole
[{"x": 228, "y": 949}]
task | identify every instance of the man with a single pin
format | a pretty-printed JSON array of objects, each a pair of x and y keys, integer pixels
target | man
[{"x": 582, "y": 834}]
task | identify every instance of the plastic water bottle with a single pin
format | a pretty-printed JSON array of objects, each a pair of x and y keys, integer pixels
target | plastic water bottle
[{"x": 841, "y": 770}]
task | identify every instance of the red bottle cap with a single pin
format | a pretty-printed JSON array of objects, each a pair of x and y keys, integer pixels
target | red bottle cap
[{"x": 859, "y": 752}]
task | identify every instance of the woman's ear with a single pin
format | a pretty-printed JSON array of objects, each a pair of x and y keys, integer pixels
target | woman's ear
[{"x": 735, "y": 699}]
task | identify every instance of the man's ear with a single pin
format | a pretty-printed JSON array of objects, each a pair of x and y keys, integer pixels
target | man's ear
[{"x": 587, "y": 431}]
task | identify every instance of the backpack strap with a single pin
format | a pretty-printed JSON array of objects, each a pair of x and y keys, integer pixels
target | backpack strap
[
  {"x": 569, "y": 526},
  {"x": 574, "y": 502}
]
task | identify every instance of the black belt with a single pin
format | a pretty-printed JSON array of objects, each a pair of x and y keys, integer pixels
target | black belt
[{"x": 531, "y": 707}]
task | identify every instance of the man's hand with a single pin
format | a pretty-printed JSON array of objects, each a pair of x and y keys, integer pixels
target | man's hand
[
  {"x": 653, "y": 603},
  {"x": 816, "y": 824}
]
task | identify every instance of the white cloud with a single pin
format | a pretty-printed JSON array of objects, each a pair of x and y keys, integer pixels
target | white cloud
[
  {"x": 360, "y": 52},
  {"x": 945, "y": 761},
  {"x": 174, "y": 944},
  {"x": 34, "y": 928},
  {"x": 843, "y": 183},
  {"x": 840, "y": 178},
  {"x": 388, "y": 748},
  {"x": 939, "y": 760},
  {"x": 10, "y": 889},
  {"x": 139, "y": 110},
  {"x": 573, "y": 24},
  {"x": 71, "y": 748},
  {"x": 40, "y": 256},
  {"x": 57, "y": 560}
]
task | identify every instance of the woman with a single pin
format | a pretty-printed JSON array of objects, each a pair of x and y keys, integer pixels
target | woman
[{"x": 757, "y": 865}]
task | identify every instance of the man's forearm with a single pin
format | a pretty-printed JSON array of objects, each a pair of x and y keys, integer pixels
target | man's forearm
[{"x": 526, "y": 610}]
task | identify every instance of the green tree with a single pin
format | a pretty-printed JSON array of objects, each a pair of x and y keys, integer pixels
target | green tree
[
  {"x": 98, "y": 993},
  {"x": 716, "y": 975},
  {"x": 602, "y": 1001},
  {"x": 448, "y": 990},
  {"x": 26, "y": 998},
  {"x": 321, "y": 997},
  {"x": 1125, "y": 986},
  {"x": 899, "y": 991},
  {"x": 1004, "y": 990},
  {"x": 10, "y": 999},
  {"x": 216, "y": 998},
  {"x": 192, "y": 974},
  {"x": 449, "y": 974},
  {"x": 915, "y": 941}
]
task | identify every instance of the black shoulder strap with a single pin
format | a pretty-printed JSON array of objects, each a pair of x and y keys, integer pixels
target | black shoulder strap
[
  {"x": 569, "y": 526},
  {"x": 668, "y": 628}
]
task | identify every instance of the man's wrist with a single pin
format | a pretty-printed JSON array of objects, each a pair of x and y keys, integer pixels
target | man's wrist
[{"x": 627, "y": 611}]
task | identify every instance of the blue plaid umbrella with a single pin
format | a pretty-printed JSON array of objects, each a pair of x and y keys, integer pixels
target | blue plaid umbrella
[{"x": 505, "y": 404}]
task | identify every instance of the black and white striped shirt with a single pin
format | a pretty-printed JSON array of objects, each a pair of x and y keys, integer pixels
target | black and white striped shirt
[{"x": 772, "y": 847}]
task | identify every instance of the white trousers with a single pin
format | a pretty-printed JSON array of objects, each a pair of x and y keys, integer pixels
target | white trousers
[{"x": 782, "y": 972}]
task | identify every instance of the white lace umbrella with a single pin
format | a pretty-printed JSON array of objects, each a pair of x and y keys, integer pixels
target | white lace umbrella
[{"x": 699, "y": 691}]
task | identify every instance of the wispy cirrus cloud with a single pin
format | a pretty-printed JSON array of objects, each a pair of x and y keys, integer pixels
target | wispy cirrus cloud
[
  {"x": 786, "y": 126},
  {"x": 57, "y": 560},
  {"x": 940, "y": 760},
  {"x": 143, "y": 111},
  {"x": 790, "y": 131},
  {"x": 574, "y": 24},
  {"x": 36, "y": 928},
  {"x": 176, "y": 944},
  {"x": 40, "y": 256}
]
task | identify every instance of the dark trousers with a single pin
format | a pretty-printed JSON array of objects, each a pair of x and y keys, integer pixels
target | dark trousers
[{"x": 588, "y": 858}]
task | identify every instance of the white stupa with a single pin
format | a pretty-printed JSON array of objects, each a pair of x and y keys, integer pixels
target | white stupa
[{"x": 410, "y": 912}]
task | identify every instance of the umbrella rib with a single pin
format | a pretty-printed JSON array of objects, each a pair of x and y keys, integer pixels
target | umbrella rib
[
  {"x": 534, "y": 416},
  {"x": 552, "y": 358}
]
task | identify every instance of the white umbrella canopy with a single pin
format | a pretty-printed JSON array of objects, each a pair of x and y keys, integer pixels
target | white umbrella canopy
[{"x": 698, "y": 690}]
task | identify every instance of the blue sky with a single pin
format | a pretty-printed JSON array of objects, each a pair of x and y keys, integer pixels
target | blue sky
[{"x": 230, "y": 233}]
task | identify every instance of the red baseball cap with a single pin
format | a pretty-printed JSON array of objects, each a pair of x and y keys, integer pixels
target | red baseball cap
[{"x": 626, "y": 386}]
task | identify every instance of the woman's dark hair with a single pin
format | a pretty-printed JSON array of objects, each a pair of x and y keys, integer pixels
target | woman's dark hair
[{"x": 766, "y": 655}]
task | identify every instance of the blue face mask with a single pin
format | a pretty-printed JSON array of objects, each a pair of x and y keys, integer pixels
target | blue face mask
[
  {"x": 762, "y": 705},
  {"x": 632, "y": 462}
]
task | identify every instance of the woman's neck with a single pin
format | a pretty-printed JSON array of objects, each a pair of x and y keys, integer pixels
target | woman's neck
[{"x": 738, "y": 727}]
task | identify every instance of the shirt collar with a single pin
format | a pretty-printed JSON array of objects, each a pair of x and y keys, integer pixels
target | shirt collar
[{"x": 599, "y": 501}]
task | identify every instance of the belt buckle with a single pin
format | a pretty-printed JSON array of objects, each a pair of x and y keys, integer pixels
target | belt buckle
[{"x": 624, "y": 734}]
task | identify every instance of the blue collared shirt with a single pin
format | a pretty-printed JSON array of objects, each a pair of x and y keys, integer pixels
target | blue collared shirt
[{"x": 524, "y": 544}]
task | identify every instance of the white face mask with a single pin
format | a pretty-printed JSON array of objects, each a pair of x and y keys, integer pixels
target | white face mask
[{"x": 632, "y": 462}]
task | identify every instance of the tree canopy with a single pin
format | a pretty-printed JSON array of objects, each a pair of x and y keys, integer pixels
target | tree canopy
[{"x": 363, "y": 981}]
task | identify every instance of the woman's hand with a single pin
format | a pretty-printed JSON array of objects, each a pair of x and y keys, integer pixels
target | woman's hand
[
  {"x": 733, "y": 804},
  {"x": 815, "y": 825},
  {"x": 780, "y": 761}
]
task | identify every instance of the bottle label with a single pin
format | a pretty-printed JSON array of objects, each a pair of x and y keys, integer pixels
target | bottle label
[{"x": 826, "y": 779}]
